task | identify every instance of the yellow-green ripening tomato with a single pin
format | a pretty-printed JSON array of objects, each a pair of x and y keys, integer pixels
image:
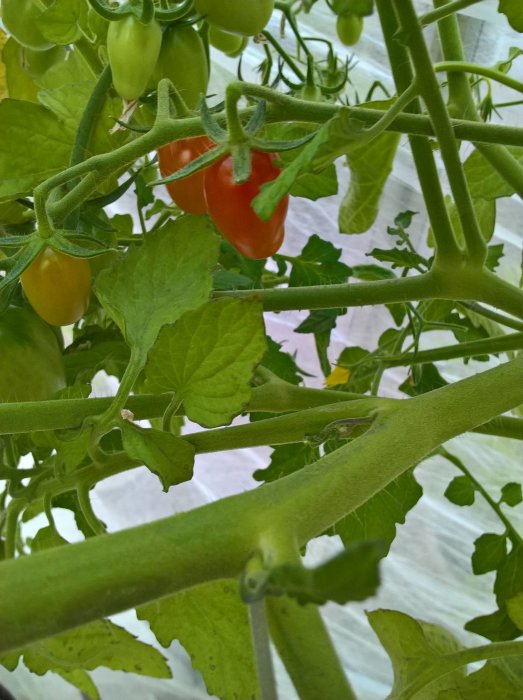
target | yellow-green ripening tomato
[
  {"x": 58, "y": 287},
  {"x": 246, "y": 17},
  {"x": 183, "y": 60}
]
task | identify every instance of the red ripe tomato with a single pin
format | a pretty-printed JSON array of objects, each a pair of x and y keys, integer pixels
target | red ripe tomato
[
  {"x": 187, "y": 193},
  {"x": 229, "y": 206},
  {"x": 58, "y": 287}
]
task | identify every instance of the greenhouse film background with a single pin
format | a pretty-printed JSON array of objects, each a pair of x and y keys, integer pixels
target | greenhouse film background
[{"x": 427, "y": 573}]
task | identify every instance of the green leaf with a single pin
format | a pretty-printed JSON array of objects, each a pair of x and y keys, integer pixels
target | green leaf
[
  {"x": 320, "y": 321},
  {"x": 281, "y": 363},
  {"x": 351, "y": 575},
  {"x": 60, "y": 22},
  {"x": 266, "y": 202},
  {"x": 65, "y": 90},
  {"x": 167, "y": 456},
  {"x": 208, "y": 359},
  {"x": 370, "y": 273},
  {"x": 86, "y": 648},
  {"x": 47, "y": 538},
  {"x": 287, "y": 459},
  {"x": 34, "y": 146},
  {"x": 318, "y": 263},
  {"x": 489, "y": 551},
  {"x": 225, "y": 279},
  {"x": 511, "y": 494},
  {"x": 484, "y": 181},
  {"x": 212, "y": 625},
  {"x": 494, "y": 681},
  {"x": 426, "y": 378},
  {"x": 379, "y": 516},
  {"x": 20, "y": 86},
  {"x": 515, "y": 610},
  {"x": 494, "y": 255},
  {"x": 497, "y": 626},
  {"x": 159, "y": 281},
  {"x": 370, "y": 166},
  {"x": 314, "y": 186},
  {"x": 513, "y": 9},
  {"x": 509, "y": 579},
  {"x": 461, "y": 491},
  {"x": 361, "y": 366},
  {"x": 399, "y": 257},
  {"x": 418, "y": 652}
]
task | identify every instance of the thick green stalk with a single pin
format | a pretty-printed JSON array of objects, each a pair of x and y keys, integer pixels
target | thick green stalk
[
  {"x": 306, "y": 649},
  {"x": 342, "y": 295},
  {"x": 272, "y": 397},
  {"x": 55, "y": 590},
  {"x": 282, "y": 108},
  {"x": 433, "y": 98}
]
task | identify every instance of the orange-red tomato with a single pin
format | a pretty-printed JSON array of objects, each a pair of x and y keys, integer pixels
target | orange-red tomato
[
  {"x": 58, "y": 287},
  {"x": 230, "y": 206},
  {"x": 187, "y": 193}
]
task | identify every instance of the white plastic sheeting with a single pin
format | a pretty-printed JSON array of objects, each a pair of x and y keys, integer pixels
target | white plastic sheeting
[{"x": 428, "y": 573}]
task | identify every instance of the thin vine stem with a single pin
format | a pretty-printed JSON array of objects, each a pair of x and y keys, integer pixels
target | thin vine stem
[
  {"x": 446, "y": 245},
  {"x": 433, "y": 98},
  {"x": 475, "y": 69},
  {"x": 84, "y": 501},
  {"x": 510, "y": 529},
  {"x": 262, "y": 651},
  {"x": 446, "y": 11},
  {"x": 484, "y": 346}
]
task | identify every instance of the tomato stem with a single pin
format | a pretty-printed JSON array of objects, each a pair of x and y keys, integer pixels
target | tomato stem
[
  {"x": 306, "y": 503},
  {"x": 86, "y": 507}
]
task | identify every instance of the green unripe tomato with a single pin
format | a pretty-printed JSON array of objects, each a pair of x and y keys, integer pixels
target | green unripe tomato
[
  {"x": 246, "y": 17},
  {"x": 183, "y": 60},
  {"x": 229, "y": 44},
  {"x": 32, "y": 367},
  {"x": 349, "y": 29},
  {"x": 133, "y": 49},
  {"x": 20, "y": 19},
  {"x": 36, "y": 63}
]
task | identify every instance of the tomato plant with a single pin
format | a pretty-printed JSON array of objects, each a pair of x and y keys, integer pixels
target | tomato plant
[
  {"x": 328, "y": 402},
  {"x": 188, "y": 193},
  {"x": 230, "y": 206},
  {"x": 27, "y": 342},
  {"x": 236, "y": 16},
  {"x": 58, "y": 287},
  {"x": 133, "y": 48},
  {"x": 183, "y": 60}
]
